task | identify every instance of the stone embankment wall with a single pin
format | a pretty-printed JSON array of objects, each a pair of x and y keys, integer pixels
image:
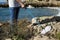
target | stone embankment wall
[{"x": 39, "y": 3}]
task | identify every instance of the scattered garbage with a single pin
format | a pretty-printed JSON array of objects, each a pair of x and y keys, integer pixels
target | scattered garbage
[
  {"x": 29, "y": 6},
  {"x": 35, "y": 20},
  {"x": 47, "y": 29}
]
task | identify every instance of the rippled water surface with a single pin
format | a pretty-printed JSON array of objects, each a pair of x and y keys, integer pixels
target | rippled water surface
[{"x": 27, "y": 13}]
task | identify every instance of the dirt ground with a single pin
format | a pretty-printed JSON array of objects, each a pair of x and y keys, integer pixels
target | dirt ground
[{"x": 45, "y": 21}]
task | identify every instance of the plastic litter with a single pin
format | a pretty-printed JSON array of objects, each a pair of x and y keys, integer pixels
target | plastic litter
[
  {"x": 47, "y": 29},
  {"x": 35, "y": 20}
]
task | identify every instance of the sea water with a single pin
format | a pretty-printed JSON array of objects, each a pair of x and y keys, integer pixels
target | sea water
[{"x": 28, "y": 13}]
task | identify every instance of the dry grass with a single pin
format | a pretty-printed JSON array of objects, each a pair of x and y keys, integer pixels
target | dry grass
[{"x": 22, "y": 32}]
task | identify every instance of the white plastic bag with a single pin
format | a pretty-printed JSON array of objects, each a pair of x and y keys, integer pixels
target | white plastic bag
[{"x": 47, "y": 29}]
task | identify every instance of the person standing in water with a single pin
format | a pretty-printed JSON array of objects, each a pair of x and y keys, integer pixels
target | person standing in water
[{"x": 14, "y": 6}]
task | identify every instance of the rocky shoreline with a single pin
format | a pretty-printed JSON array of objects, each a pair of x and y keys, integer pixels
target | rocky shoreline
[
  {"x": 36, "y": 4},
  {"x": 4, "y": 5},
  {"x": 27, "y": 31}
]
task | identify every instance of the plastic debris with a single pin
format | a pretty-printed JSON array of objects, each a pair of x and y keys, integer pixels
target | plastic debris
[
  {"x": 47, "y": 29},
  {"x": 35, "y": 20}
]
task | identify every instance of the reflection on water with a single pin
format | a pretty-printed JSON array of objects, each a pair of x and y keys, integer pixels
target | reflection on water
[{"x": 28, "y": 13}]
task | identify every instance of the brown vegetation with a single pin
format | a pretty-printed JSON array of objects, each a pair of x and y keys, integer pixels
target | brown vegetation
[
  {"x": 22, "y": 32},
  {"x": 26, "y": 31}
]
